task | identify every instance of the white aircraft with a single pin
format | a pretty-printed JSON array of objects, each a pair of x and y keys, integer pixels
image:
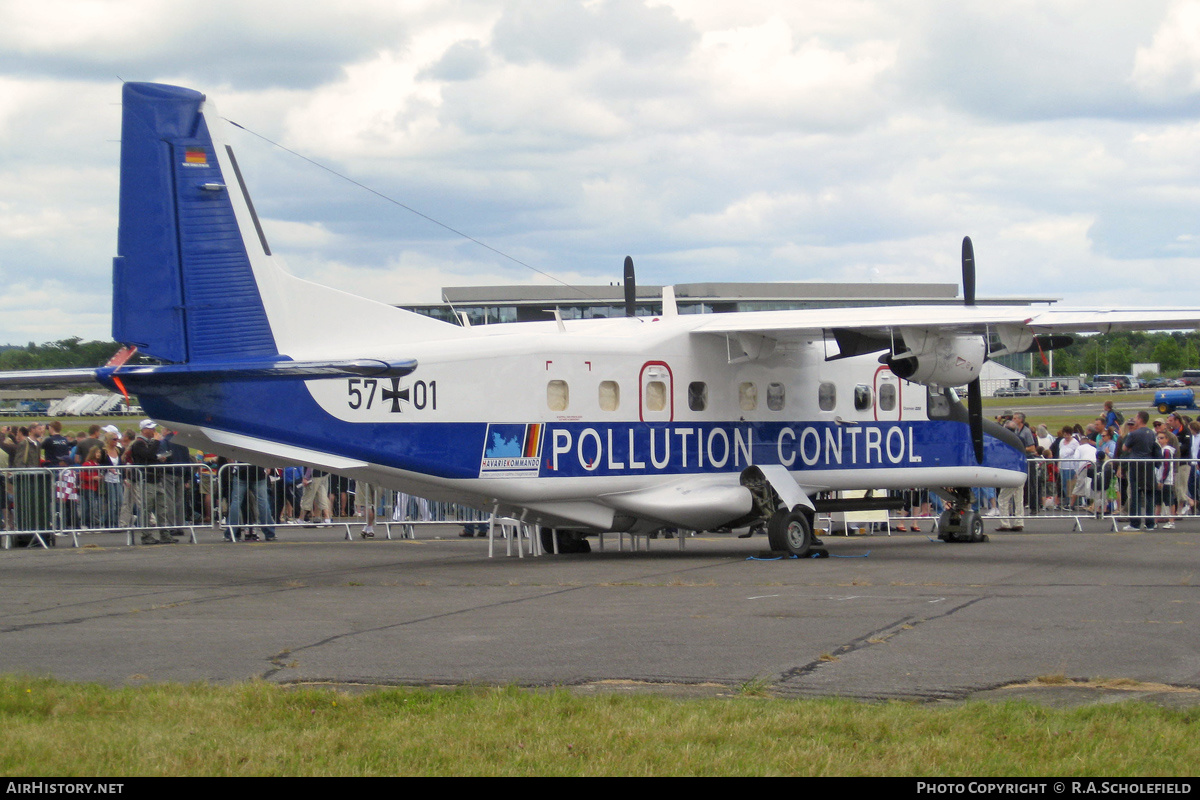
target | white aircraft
[{"x": 703, "y": 422}]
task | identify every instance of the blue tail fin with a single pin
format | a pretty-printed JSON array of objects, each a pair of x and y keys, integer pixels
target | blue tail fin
[{"x": 183, "y": 287}]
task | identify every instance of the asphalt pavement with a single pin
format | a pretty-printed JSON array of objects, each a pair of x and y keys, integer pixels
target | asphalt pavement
[{"x": 902, "y": 616}]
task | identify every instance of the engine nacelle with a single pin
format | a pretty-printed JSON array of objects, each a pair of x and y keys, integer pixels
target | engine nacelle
[
  {"x": 1014, "y": 338},
  {"x": 936, "y": 358}
]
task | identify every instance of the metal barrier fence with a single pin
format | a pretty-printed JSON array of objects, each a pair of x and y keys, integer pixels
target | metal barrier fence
[
  {"x": 1063, "y": 488},
  {"x": 1140, "y": 491},
  {"x": 250, "y": 498},
  {"x": 1134, "y": 490},
  {"x": 166, "y": 503},
  {"x": 161, "y": 503}
]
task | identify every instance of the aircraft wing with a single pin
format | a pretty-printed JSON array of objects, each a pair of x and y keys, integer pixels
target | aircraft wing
[
  {"x": 1091, "y": 320},
  {"x": 962, "y": 320}
]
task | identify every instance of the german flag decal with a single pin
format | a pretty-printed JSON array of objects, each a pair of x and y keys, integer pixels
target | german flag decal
[
  {"x": 196, "y": 156},
  {"x": 533, "y": 441}
]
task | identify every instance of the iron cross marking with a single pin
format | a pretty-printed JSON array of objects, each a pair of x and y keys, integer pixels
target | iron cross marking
[{"x": 396, "y": 394}]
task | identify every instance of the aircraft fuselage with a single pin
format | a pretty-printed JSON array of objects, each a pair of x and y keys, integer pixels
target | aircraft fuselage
[{"x": 581, "y": 423}]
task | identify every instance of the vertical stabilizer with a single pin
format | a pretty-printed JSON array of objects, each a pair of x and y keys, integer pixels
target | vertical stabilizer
[{"x": 183, "y": 287}]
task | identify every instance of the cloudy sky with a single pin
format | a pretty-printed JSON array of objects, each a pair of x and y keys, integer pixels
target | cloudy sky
[{"x": 711, "y": 140}]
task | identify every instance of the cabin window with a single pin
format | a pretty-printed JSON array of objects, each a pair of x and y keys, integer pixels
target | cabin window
[
  {"x": 827, "y": 396},
  {"x": 610, "y": 395},
  {"x": 747, "y": 396},
  {"x": 887, "y": 397},
  {"x": 698, "y": 395},
  {"x": 558, "y": 396},
  {"x": 938, "y": 405},
  {"x": 775, "y": 396},
  {"x": 863, "y": 397},
  {"x": 656, "y": 396}
]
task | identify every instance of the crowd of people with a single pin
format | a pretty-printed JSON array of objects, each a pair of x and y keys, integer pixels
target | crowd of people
[
  {"x": 1137, "y": 468},
  {"x": 143, "y": 480}
]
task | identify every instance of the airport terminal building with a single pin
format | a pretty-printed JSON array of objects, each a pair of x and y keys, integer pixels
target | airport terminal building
[
  {"x": 487, "y": 305},
  {"x": 481, "y": 305}
]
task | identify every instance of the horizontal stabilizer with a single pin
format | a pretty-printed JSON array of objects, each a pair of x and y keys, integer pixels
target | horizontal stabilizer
[
  {"x": 209, "y": 372},
  {"x": 49, "y": 377}
]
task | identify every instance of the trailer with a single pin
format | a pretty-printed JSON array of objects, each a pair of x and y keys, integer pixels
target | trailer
[{"x": 1167, "y": 400}]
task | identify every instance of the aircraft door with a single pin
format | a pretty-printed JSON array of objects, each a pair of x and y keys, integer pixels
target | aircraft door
[
  {"x": 656, "y": 392},
  {"x": 887, "y": 395}
]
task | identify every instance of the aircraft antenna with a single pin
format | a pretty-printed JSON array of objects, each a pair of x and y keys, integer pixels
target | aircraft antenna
[
  {"x": 412, "y": 210},
  {"x": 454, "y": 311}
]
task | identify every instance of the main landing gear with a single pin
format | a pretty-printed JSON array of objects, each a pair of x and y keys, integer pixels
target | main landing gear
[
  {"x": 791, "y": 532},
  {"x": 568, "y": 542},
  {"x": 959, "y": 523}
]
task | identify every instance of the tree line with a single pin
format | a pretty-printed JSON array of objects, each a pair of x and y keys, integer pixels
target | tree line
[
  {"x": 63, "y": 354},
  {"x": 1117, "y": 353}
]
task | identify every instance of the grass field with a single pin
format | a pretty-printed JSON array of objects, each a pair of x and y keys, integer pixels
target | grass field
[
  {"x": 53, "y": 728},
  {"x": 1046, "y": 410},
  {"x": 1134, "y": 400}
]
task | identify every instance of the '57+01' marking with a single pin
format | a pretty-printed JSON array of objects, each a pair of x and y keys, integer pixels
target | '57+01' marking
[{"x": 362, "y": 392}]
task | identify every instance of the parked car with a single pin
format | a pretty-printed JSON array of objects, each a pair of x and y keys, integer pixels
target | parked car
[
  {"x": 1120, "y": 382},
  {"x": 1011, "y": 391},
  {"x": 1103, "y": 388}
]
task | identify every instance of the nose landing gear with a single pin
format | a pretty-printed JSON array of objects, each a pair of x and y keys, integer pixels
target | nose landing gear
[{"x": 959, "y": 523}]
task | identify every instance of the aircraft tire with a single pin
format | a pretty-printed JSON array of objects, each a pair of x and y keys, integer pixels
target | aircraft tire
[
  {"x": 944, "y": 532},
  {"x": 968, "y": 529},
  {"x": 568, "y": 542},
  {"x": 974, "y": 525},
  {"x": 790, "y": 532}
]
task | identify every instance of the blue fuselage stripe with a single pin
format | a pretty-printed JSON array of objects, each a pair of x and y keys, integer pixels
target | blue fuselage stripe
[{"x": 466, "y": 450}]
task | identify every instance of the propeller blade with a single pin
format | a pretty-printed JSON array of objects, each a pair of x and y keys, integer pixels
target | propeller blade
[
  {"x": 974, "y": 390},
  {"x": 975, "y": 417},
  {"x": 968, "y": 270},
  {"x": 630, "y": 289}
]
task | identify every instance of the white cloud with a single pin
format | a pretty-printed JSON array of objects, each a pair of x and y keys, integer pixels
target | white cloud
[
  {"x": 263, "y": 43},
  {"x": 762, "y": 72},
  {"x": 1169, "y": 67},
  {"x": 301, "y": 234},
  {"x": 1030, "y": 59},
  {"x": 419, "y": 278}
]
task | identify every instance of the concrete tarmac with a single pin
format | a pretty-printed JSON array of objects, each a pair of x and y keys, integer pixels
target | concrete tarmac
[{"x": 903, "y": 616}]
